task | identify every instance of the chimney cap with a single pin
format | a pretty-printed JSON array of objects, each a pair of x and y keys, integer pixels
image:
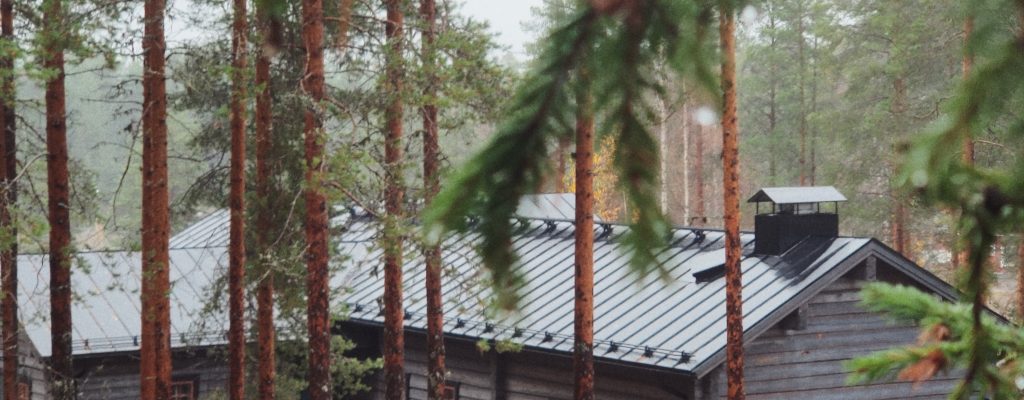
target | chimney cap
[{"x": 797, "y": 195}]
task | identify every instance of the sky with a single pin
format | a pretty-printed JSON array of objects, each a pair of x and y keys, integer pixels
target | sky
[{"x": 505, "y": 18}]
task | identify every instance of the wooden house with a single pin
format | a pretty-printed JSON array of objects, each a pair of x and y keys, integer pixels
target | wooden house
[{"x": 653, "y": 339}]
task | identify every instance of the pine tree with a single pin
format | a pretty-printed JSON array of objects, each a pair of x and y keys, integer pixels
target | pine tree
[
  {"x": 731, "y": 175},
  {"x": 58, "y": 199},
  {"x": 394, "y": 341},
  {"x": 318, "y": 307},
  {"x": 266, "y": 352},
  {"x": 236, "y": 203},
  {"x": 431, "y": 184},
  {"x": 155, "y": 354},
  {"x": 8, "y": 203},
  {"x": 583, "y": 305}
]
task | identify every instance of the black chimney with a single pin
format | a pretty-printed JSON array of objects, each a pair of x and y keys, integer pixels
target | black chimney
[{"x": 792, "y": 214}]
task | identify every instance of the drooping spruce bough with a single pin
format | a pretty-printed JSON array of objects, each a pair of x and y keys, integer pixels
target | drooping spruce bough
[
  {"x": 991, "y": 201},
  {"x": 620, "y": 41}
]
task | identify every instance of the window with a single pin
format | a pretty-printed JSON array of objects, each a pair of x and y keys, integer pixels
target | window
[{"x": 184, "y": 388}]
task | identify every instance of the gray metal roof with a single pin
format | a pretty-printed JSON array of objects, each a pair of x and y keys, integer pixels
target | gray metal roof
[
  {"x": 678, "y": 325},
  {"x": 105, "y": 307},
  {"x": 799, "y": 194}
]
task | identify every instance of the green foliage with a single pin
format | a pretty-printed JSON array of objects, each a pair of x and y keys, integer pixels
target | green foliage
[
  {"x": 999, "y": 341},
  {"x": 619, "y": 47},
  {"x": 990, "y": 198}
]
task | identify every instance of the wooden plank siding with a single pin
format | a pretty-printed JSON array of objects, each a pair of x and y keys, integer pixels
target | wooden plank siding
[
  {"x": 808, "y": 363},
  {"x": 530, "y": 375},
  {"x": 117, "y": 377}
]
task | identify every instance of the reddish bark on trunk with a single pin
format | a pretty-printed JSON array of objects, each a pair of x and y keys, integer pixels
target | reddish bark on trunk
[
  {"x": 155, "y": 353},
  {"x": 318, "y": 308},
  {"x": 731, "y": 175},
  {"x": 264, "y": 223},
  {"x": 394, "y": 341},
  {"x": 968, "y": 61},
  {"x": 236, "y": 202},
  {"x": 58, "y": 197},
  {"x": 8, "y": 201},
  {"x": 431, "y": 183},
  {"x": 899, "y": 221},
  {"x": 1020, "y": 279},
  {"x": 583, "y": 310}
]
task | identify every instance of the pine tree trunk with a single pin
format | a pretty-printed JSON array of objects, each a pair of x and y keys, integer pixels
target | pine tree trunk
[
  {"x": 58, "y": 199},
  {"x": 561, "y": 164},
  {"x": 961, "y": 256},
  {"x": 687, "y": 209},
  {"x": 968, "y": 62},
  {"x": 394, "y": 340},
  {"x": 8, "y": 203},
  {"x": 583, "y": 349},
  {"x": 731, "y": 177},
  {"x": 772, "y": 96},
  {"x": 431, "y": 185},
  {"x": 899, "y": 221},
  {"x": 662, "y": 152},
  {"x": 1020, "y": 279},
  {"x": 155, "y": 353},
  {"x": 700, "y": 218},
  {"x": 236, "y": 202},
  {"x": 318, "y": 308},
  {"x": 264, "y": 221},
  {"x": 802, "y": 85}
]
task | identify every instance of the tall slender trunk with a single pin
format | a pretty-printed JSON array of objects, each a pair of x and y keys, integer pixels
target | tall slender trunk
[
  {"x": 264, "y": 222},
  {"x": 662, "y": 152},
  {"x": 814, "y": 110},
  {"x": 1019, "y": 295},
  {"x": 236, "y": 202},
  {"x": 394, "y": 340},
  {"x": 687, "y": 210},
  {"x": 901, "y": 236},
  {"x": 318, "y": 309},
  {"x": 431, "y": 185},
  {"x": 58, "y": 197},
  {"x": 731, "y": 177},
  {"x": 967, "y": 63},
  {"x": 8, "y": 202},
  {"x": 899, "y": 221},
  {"x": 960, "y": 258},
  {"x": 699, "y": 216},
  {"x": 155, "y": 354},
  {"x": 802, "y": 85},
  {"x": 583, "y": 321},
  {"x": 772, "y": 96},
  {"x": 560, "y": 165}
]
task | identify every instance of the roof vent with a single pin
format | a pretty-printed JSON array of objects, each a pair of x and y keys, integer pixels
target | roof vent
[{"x": 794, "y": 213}]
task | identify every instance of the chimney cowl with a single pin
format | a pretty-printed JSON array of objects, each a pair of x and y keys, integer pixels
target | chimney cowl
[{"x": 795, "y": 214}]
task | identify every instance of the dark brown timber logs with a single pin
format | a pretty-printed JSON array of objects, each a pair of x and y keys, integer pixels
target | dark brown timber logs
[
  {"x": 155, "y": 355},
  {"x": 731, "y": 175},
  {"x": 583, "y": 314},
  {"x": 318, "y": 311},
  {"x": 394, "y": 341},
  {"x": 431, "y": 184},
  {"x": 236, "y": 202}
]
